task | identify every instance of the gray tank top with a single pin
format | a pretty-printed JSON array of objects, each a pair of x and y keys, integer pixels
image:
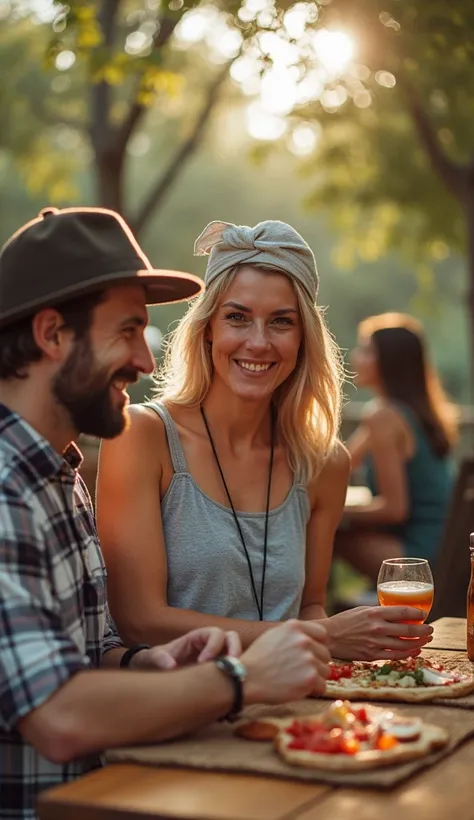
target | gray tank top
[{"x": 207, "y": 568}]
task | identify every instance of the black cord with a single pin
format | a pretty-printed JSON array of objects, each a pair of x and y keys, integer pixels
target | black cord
[{"x": 258, "y": 602}]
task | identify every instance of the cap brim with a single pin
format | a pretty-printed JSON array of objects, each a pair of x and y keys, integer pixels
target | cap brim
[
  {"x": 164, "y": 286},
  {"x": 161, "y": 287}
]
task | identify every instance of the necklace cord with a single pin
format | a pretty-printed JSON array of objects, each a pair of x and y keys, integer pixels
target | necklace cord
[{"x": 259, "y": 601}]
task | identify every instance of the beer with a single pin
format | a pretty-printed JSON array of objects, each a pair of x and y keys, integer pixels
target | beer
[
  {"x": 470, "y": 604},
  {"x": 408, "y": 593}
]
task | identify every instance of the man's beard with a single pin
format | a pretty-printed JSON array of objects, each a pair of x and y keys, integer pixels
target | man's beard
[{"x": 85, "y": 392}]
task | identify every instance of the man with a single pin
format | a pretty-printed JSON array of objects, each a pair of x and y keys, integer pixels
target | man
[{"x": 74, "y": 286}]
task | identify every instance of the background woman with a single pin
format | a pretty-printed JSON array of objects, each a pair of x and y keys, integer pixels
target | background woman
[
  {"x": 219, "y": 504},
  {"x": 403, "y": 444}
]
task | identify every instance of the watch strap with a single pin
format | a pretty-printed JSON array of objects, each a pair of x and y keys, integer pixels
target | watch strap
[
  {"x": 226, "y": 665},
  {"x": 129, "y": 653}
]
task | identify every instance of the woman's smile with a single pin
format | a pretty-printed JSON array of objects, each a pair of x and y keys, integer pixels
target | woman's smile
[{"x": 254, "y": 368}]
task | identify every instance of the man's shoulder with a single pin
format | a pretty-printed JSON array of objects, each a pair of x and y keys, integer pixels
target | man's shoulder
[
  {"x": 12, "y": 469},
  {"x": 18, "y": 480}
]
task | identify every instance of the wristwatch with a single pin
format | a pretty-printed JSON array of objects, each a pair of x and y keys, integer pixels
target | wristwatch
[
  {"x": 236, "y": 671},
  {"x": 129, "y": 653}
]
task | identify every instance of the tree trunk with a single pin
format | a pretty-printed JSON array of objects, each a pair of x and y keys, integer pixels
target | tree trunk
[{"x": 110, "y": 176}]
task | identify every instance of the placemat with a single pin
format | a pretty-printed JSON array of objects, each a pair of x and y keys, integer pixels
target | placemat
[{"x": 217, "y": 748}]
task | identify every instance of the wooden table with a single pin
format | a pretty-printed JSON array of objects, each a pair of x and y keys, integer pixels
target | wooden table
[
  {"x": 449, "y": 633},
  {"x": 133, "y": 792}
]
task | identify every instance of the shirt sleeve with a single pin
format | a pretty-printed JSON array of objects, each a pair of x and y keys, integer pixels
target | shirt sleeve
[
  {"x": 36, "y": 656},
  {"x": 111, "y": 638}
]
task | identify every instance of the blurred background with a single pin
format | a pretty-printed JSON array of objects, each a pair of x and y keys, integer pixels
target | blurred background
[{"x": 351, "y": 119}]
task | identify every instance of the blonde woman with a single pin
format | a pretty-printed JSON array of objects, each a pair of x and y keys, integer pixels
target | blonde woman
[{"x": 219, "y": 504}]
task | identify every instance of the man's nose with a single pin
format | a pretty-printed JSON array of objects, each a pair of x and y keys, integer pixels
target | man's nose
[{"x": 143, "y": 358}]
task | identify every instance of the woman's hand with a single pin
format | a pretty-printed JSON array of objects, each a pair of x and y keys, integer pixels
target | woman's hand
[
  {"x": 197, "y": 646},
  {"x": 370, "y": 633}
]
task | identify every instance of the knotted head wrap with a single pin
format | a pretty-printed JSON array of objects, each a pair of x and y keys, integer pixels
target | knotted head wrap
[{"x": 271, "y": 243}]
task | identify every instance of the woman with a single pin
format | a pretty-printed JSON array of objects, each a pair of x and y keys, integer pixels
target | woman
[
  {"x": 404, "y": 443},
  {"x": 219, "y": 504}
]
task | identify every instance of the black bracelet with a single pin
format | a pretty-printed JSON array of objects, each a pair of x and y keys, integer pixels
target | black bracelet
[{"x": 129, "y": 653}]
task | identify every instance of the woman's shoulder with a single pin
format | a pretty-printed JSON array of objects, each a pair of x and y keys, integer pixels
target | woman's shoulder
[
  {"x": 145, "y": 432},
  {"x": 379, "y": 412},
  {"x": 333, "y": 475},
  {"x": 154, "y": 422},
  {"x": 338, "y": 460},
  {"x": 144, "y": 420}
]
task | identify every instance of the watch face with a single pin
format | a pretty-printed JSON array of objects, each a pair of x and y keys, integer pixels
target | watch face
[{"x": 239, "y": 669}]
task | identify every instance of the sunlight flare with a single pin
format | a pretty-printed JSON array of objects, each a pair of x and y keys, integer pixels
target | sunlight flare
[{"x": 335, "y": 49}]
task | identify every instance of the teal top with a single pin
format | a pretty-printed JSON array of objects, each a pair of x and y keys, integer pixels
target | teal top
[{"x": 429, "y": 479}]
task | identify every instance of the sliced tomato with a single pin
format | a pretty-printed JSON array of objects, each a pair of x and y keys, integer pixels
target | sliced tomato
[
  {"x": 361, "y": 714},
  {"x": 334, "y": 742},
  {"x": 386, "y": 742},
  {"x": 350, "y": 745},
  {"x": 362, "y": 735},
  {"x": 324, "y": 744},
  {"x": 296, "y": 729},
  {"x": 340, "y": 670},
  {"x": 302, "y": 728},
  {"x": 298, "y": 743}
]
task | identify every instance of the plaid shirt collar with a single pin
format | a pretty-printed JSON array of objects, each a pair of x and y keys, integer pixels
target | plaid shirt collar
[{"x": 44, "y": 460}]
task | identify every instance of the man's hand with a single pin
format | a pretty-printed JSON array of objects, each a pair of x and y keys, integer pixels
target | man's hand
[
  {"x": 198, "y": 646},
  {"x": 287, "y": 663}
]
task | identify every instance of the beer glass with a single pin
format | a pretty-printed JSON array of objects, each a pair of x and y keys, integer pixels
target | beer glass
[{"x": 406, "y": 582}]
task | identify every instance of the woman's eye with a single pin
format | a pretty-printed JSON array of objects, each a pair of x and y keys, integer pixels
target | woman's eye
[
  {"x": 236, "y": 317},
  {"x": 283, "y": 320}
]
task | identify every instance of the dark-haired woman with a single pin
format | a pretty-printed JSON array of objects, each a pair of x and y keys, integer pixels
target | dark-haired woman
[{"x": 403, "y": 443}]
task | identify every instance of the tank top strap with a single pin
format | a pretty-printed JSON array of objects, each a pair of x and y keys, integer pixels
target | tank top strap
[{"x": 176, "y": 448}]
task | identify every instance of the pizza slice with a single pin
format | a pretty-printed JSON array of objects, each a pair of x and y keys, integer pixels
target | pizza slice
[
  {"x": 413, "y": 680},
  {"x": 347, "y": 737}
]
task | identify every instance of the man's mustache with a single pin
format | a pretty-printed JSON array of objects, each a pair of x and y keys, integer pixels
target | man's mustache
[{"x": 126, "y": 374}]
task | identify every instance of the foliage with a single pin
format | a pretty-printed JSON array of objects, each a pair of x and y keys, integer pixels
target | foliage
[
  {"x": 36, "y": 138},
  {"x": 383, "y": 162},
  {"x": 92, "y": 79},
  {"x": 118, "y": 59}
]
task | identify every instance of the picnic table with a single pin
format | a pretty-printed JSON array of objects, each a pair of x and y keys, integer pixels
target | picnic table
[{"x": 125, "y": 791}]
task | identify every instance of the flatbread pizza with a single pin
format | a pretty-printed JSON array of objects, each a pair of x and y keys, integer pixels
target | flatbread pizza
[
  {"x": 412, "y": 680},
  {"x": 347, "y": 737}
]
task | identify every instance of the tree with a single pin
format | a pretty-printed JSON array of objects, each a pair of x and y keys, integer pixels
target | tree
[
  {"x": 108, "y": 63},
  {"x": 119, "y": 60},
  {"x": 395, "y": 162}
]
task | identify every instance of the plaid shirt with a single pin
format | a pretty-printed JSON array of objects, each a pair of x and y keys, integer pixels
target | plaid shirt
[{"x": 54, "y": 619}]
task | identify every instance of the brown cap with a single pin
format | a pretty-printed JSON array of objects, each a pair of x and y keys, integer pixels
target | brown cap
[{"x": 66, "y": 253}]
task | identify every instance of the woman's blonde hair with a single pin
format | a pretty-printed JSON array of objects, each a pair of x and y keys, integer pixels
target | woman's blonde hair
[{"x": 308, "y": 403}]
